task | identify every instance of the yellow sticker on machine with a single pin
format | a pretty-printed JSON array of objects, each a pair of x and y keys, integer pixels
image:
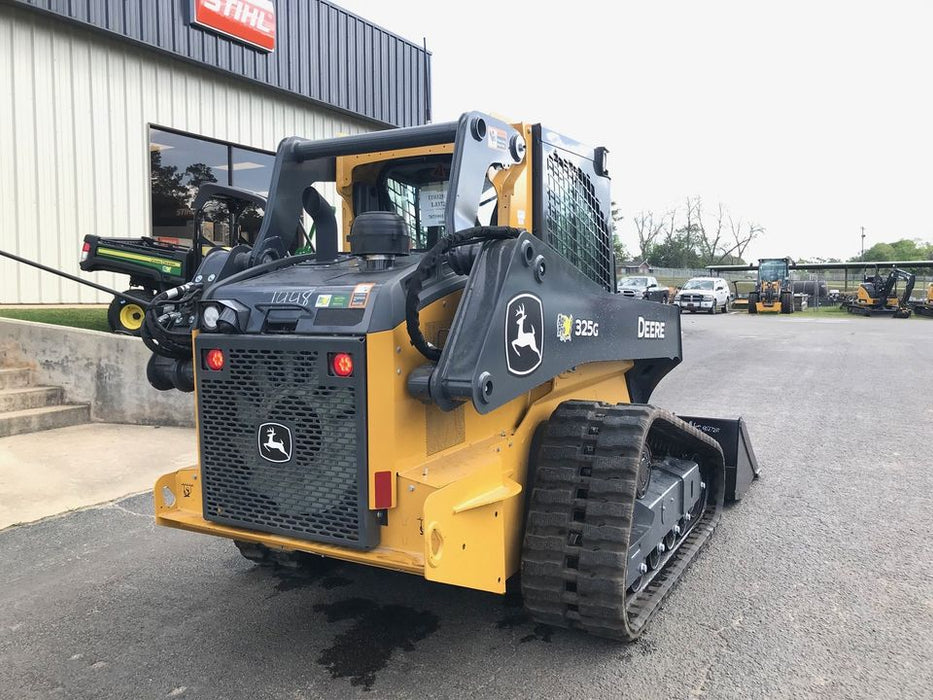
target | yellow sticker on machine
[{"x": 163, "y": 264}]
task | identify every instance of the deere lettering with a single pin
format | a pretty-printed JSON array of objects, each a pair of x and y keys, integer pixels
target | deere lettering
[{"x": 650, "y": 329}]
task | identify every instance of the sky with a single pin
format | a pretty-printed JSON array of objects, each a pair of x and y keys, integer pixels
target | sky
[{"x": 812, "y": 119}]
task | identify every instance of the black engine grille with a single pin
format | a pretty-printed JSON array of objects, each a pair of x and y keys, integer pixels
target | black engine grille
[{"x": 320, "y": 492}]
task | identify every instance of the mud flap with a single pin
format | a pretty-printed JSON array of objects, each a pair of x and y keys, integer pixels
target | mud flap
[{"x": 732, "y": 436}]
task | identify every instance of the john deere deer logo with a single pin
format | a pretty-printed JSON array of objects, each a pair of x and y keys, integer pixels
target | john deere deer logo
[
  {"x": 275, "y": 442},
  {"x": 523, "y": 337}
]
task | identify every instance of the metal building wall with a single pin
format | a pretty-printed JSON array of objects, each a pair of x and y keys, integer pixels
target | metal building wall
[
  {"x": 74, "y": 152},
  {"x": 322, "y": 53}
]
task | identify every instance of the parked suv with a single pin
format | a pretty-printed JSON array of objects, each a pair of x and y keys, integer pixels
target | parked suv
[
  {"x": 641, "y": 287},
  {"x": 709, "y": 294}
]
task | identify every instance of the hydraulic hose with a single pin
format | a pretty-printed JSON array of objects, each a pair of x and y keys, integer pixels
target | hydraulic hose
[
  {"x": 156, "y": 331},
  {"x": 426, "y": 268}
]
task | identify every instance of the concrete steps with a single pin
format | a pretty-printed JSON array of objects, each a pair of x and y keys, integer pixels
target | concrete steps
[
  {"x": 26, "y": 408},
  {"x": 29, "y": 397},
  {"x": 13, "y": 377}
]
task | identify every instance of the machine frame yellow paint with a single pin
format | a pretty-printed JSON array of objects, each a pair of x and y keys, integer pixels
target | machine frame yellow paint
[
  {"x": 458, "y": 517},
  {"x": 457, "y": 512},
  {"x": 774, "y": 307},
  {"x": 863, "y": 298}
]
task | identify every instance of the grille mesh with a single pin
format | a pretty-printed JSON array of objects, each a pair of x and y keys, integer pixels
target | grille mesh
[
  {"x": 315, "y": 495},
  {"x": 692, "y": 298},
  {"x": 575, "y": 223}
]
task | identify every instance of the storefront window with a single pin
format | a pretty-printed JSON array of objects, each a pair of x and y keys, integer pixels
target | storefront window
[
  {"x": 181, "y": 163},
  {"x": 252, "y": 170}
]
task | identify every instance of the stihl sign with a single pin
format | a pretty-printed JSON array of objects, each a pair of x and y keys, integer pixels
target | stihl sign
[{"x": 249, "y": 21}]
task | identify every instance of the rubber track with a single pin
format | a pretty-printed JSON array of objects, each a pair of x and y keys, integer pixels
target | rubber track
[{"x": 580, "y": 518}]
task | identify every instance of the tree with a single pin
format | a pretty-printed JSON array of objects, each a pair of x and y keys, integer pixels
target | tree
[
  {"x": 619, "y": 249},
  {"x": 742, "y": 234},
  {"x": 709, "y": 241},
  {"x": 198, "y": 174},
  {"x": 648, "y": 230},
  {"x": 903, "y": 249},
  {"x": 691, "y": 236},
  {"x": 169, "y": 194},
  {"x": 173, "y": 191},
  {"x": 678, "y": 249},
  {"x": 615, "y": 216},
  {"x": 714, "y": 242},
  {"x": 817, "y": 260}
]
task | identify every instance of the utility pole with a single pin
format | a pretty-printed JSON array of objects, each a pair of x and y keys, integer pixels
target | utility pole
[{"x": 863, "y": 242}]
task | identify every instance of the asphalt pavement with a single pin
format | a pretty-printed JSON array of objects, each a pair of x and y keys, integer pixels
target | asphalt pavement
[{"x": 818, "y": 584}]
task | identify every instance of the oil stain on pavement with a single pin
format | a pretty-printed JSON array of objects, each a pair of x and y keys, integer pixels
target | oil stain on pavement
[{"x": 363, "y": 649}]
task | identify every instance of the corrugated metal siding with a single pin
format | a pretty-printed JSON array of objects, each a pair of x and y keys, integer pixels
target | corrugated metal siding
[
  {"x": 323, "y": 52},
  {"x": 74, "y": 150}
]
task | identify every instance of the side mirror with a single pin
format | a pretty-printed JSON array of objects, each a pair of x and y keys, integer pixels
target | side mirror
[{"x": 652, "y": 286}]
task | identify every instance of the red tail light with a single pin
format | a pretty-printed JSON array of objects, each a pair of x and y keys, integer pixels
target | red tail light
[
  {"x": 341, "y": 364},
  {"x": 214, "y": 359},
  {"x": 85, "y": 249}
]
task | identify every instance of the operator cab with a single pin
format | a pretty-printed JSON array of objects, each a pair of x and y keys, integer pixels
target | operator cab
[
  {"x": 415, "y": 189},
  {"x": 773, "y": 270}
]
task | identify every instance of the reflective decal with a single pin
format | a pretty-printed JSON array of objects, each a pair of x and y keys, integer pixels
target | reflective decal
[
  {"x": 275, "y": 442},
  {"x": 564, "y": 328},
  {"x": 524, "y": 337}
]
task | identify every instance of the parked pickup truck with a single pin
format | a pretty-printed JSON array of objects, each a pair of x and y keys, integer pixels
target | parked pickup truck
[
  {"x": 642, "y": 287},
  {"x": 709, "y": 294}
]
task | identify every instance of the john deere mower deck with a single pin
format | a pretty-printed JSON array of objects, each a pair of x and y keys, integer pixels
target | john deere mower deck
[{"x": 462, "y": 395}]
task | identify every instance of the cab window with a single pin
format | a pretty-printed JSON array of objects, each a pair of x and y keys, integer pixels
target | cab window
[
  {"x": 416, "y": 189},
  {"x": 221, "y": 226},
  {"x": 772, "y": 270}
]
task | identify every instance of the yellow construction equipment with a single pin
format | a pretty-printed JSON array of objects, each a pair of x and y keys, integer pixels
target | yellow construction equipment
[
  {"x": 773, "y": 291},
  {"x": 879, "y": 295},
  {"x": 924, "y": 307},
  {"x": 455, "y": 391}
]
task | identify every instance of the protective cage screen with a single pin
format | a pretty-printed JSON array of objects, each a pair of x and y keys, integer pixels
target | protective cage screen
[{"x": 572, "y": 216}]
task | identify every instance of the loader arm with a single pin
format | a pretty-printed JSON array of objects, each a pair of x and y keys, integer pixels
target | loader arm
[
  {"x": 909, "y": 280},
  {"x": 569, "y": 320}
]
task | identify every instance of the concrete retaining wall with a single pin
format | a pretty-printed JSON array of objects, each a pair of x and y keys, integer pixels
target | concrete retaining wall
[{"x": 104, "y": 370}]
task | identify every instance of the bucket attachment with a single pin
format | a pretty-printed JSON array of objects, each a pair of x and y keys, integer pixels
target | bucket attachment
[{"x": 732, "y": 436}]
